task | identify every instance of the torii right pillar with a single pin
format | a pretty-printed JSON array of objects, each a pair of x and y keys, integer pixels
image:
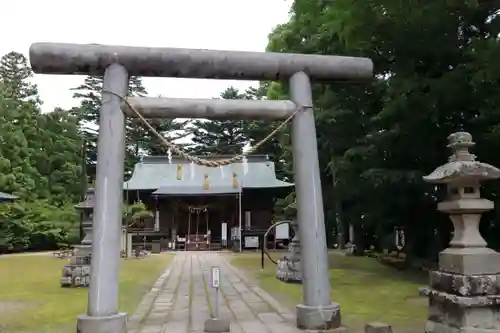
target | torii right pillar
[{"x": 464, "y": 294}]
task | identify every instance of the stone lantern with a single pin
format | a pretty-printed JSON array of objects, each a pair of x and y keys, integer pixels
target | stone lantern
[
  {"x": 288, "y": 269},
  {"x": 464, "y": 293},
  {"x": 77, "y": 273}
]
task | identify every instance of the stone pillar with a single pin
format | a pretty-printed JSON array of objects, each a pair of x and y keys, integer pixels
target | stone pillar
[
  {"x": 288, "y": 268},
  {"x": 464, "y": 292},
  {"x": 129, "y": 245},
  {"x": 123, "y": 246},
  {"x": 157, "y": 215},
  {"x": 102, "y": 311},
  {"x": 77, "y": 272},
  {"x": 317, "y": 311},
  {"x": 351, "y": 233}
]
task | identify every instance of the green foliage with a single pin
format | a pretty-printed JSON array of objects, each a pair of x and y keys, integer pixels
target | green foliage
[
  {"x": 139, "y": 141},
  {"x": 219, "y": 137},
  {"x": 229, "y": 137},
  {"x": 136, "y": 214},
  {"x": 435, "y": 73},
  {"x": 35, "y": 225},
  {"x": 39, "y": 162}
]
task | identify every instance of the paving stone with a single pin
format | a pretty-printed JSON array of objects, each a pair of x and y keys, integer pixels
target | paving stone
[
  {"x": 186, "y": 300},
  {"x": 175, "y": 327},
  {"x": 271, "y": 318}
]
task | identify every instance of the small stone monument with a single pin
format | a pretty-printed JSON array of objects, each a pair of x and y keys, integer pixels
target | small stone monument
[
  {"x": 77, "y": 272},
  {"x": 464, "y": 293},
  {"x": 288, "y": 268}
]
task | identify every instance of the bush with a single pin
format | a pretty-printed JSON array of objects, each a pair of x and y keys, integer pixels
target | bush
[{"x": 36, "y": 225}]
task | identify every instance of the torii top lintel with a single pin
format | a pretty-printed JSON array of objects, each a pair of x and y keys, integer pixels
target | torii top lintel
[{"x": 93, "y": 59}]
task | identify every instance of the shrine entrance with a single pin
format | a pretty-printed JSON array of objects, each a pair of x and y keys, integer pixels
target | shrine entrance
[
  {"x": 198, "y": 233},
  {"x": 118, "y": 63}
]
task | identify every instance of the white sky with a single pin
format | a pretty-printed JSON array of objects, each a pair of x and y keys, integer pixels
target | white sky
[{"x": 241, "y": 25}]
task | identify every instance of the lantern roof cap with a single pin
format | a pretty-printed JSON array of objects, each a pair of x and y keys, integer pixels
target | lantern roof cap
[
  {"x": 88, "y": 201},
  {"x": 462, "y": 166}
]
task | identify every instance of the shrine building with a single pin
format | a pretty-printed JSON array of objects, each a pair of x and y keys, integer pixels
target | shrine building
[{"x": 204, "y": 208}]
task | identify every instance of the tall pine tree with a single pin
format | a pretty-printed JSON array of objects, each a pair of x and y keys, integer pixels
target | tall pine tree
[
  {"x": 139, "y": 140},
  {"x": 220, "y": 137}
]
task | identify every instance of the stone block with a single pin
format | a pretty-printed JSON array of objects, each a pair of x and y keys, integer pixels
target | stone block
[
  {"x": 86, "y": 270},
  {"x": 289, "y": 270},
  {"x": 217, "y": 325},
  {"x": 465, "y": 285},
  {"x": 447, "y": 312},
  {"x": 75, "y": 276},
  {"x": 469, "y": 261},
  {"x": 376, "y": 327}
]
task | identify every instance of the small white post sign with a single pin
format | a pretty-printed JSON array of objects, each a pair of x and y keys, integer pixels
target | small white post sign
[
  {"x": 216, "y": 285},
  {"x": 215, "y": 277}
]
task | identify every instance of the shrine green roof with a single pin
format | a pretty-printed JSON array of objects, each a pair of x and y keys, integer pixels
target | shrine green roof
[{"x": 157, "y": 173}]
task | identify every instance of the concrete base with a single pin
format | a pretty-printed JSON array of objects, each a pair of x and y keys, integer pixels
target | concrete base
[
  {"x": 319, "y": 318},
  {"x": 433, "y": 327},
  {"x": 108, "y": 324},
  {"x": 217, "y": 325}
]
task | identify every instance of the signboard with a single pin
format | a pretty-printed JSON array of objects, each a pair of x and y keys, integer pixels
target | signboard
[
  {"x": 251, "y": 241},
  {"x": 235, "y": 233},
  {"x": 283, "y": 231},
  {"x": 215, "y": 277}
]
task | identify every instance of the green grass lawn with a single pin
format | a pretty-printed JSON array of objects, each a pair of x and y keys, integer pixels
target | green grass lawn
[
  {"x": 366, "y": 290},
  {"x": 31, "y": 300}
]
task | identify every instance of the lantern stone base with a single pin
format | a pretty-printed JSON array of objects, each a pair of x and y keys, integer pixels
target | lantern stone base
[
  {"x": 289, "y": 270},
  {"x": 77, "y": 273},
  {"x": 469, "y": 261},
  {"x": 463, "y": 303}
]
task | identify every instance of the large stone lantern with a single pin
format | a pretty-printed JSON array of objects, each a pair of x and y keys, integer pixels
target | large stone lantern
[
  {"x": 288, "y": 269},
  {"x": 77, "y": 273},
  {"x": 464, "y": 293}
]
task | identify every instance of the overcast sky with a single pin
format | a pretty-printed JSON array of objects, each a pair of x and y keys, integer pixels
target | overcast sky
[{"x": 208, "y": 24}]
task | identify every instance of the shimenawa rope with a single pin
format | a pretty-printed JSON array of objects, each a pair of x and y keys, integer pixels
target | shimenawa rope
[{"x": 198, "y": 160}]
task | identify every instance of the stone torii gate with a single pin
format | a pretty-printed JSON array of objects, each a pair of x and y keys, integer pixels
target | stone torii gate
[{"x": 117, "y": 63}]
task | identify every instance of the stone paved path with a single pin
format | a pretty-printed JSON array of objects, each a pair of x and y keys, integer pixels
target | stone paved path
[{"x": 183, "y": 299}]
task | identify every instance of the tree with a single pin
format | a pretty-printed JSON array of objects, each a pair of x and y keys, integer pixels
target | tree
[
  {"x": 276, "y": 147},
  {"x": 38, "y": 162},
  {"x": 62, "y": 163},
  {"x": 139, "y": 140},
  {"x": 224, "y": 137},
  {"x": 376, "y": 137},
  {"x": 15, "y": 75}
]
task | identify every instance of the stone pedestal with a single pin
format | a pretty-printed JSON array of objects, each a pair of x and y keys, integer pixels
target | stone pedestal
[
  {"x": 464, "y": 294},
  {"x": 77, "y": 273},
  {"x": 288, "y": 268}
]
